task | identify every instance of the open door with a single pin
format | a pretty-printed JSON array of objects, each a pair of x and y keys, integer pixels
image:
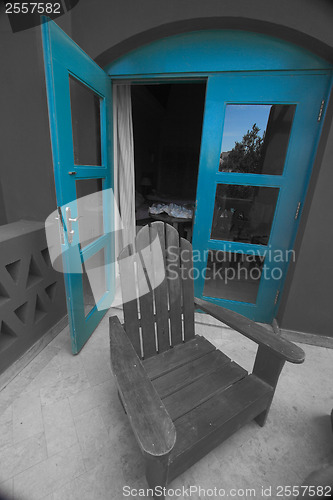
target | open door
[
  {"x": 80, "y": 113},
  {"x": 258, "y": 143}
]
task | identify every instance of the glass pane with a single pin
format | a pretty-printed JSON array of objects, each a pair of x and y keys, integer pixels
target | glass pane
[
  {"x": 90, "y": 209},
  {"x": 93, "y": 280},
  {"x": 255, "y": 138},
  {"x": 244, "y": 213},
  {"x": 233, "y": 276},
  {"x": 86, "y": 125}
]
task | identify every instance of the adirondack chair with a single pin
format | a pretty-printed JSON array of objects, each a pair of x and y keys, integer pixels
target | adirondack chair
[{"x": 183, "y": 396}]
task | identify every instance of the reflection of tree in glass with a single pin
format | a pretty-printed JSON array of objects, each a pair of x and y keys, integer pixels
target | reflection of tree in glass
[{"x": 246, "y": 155}]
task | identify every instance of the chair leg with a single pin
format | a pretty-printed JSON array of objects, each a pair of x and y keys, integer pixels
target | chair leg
[
  {"x": 157, "y": 474},
  {"x": 267, "y": 367}
]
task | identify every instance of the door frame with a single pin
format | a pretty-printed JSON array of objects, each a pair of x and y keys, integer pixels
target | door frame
[{"x": 197, "y": 55}]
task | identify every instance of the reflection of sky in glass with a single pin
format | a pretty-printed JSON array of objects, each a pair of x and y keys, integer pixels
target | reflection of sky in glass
[{"x": 239, "y": 118}]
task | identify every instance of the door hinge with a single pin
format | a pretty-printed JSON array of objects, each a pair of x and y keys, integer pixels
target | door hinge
[
  {"x": 321, "y": 109},
  {"x": 276, "y": 297},
  {"x": 297, "y": 210}
]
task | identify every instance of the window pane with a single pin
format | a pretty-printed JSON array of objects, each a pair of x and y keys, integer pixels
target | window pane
[
  {"x": 244, "y": 213},
  {"x": 90, "y": 209},
  {"x": 85, "y": 109},
  {"x": 233, "y": 276},
  {"x": 93, "y": 280},
  {"x": 255, "y": 138}
]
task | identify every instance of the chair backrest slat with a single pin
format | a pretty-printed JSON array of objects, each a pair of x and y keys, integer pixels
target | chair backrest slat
[
  {"x": 157, "y": 289},
  {"x": 174, "y": 284},
  {"x": 186, "y": 259},
  {"x": 157, "y": 238},
  {"x": 144, "y": 273},
  {"x": 130, "y": 306}
]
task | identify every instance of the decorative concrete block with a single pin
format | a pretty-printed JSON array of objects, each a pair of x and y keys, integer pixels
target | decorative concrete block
[{"x": 32, "y": 294}]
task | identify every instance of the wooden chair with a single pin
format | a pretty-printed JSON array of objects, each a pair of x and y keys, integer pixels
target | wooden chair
[{"x": 183, "y": 396}]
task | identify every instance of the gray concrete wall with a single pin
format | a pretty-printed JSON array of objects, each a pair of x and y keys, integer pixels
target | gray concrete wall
[
  {"x": 306, "y": 304},
  {"x": 114, "y": 27},
  {"x": 27, "y": 182},
  {"x": 28, "y": 309}
]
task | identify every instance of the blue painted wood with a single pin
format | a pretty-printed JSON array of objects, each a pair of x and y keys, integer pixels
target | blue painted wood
[
  {"x": 269, "y": 70},
  {"x": 62, "y": 57},
  {"x": 214, "y": 51},
  {"x": 307, "y": 92}
]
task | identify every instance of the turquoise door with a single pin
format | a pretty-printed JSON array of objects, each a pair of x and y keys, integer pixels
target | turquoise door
[
  {"x": 258, "y": 144},
  {"x": 80, "y": 113},
  {"x": 252, "y": 183}
]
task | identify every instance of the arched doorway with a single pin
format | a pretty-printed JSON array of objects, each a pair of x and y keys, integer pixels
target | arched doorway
[{"x": 263, "y": 109}]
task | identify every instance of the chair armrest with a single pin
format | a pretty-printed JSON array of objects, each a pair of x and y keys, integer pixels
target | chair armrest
[
  {"x": 250, "y": 329},
  {"x": 151, "y": 423}
]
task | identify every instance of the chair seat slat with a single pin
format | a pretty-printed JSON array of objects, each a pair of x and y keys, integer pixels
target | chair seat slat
[
  {"x": 184, "y": 375},
  {"x": 208, "y": 425},
  {"x": 202, "y": 389},
  {"x": 178, "y": 356}
]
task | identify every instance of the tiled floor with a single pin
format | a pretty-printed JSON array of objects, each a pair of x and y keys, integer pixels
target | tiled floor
[{"x": 64, "y": 436}]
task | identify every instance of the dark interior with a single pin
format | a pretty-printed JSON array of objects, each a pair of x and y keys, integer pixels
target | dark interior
[{"x": 167, "y": 124}]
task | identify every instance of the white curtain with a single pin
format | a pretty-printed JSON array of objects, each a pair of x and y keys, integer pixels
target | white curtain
[{"x": 124, "y": 164}]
